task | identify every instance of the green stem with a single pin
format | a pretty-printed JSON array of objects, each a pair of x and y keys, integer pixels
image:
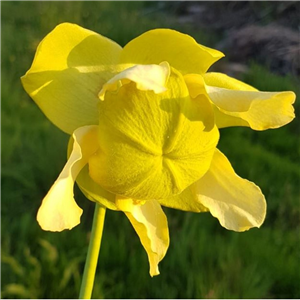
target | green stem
[{"x": 93, "y": 253}]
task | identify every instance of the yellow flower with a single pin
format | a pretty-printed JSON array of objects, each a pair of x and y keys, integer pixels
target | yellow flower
[{"x": 144, "y": 126}]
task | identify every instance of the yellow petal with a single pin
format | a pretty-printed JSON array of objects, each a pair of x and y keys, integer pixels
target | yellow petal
[
  {"x": 236, "y": 202},
  {"x": 181, "y": 51},
  {"x": 151, "y": 225},
  {"x": 238, "y": 104},
  {"x": 146, "y": 77},
  {"x": 153, "y": 146},
  {"x": 70, "y": 66},
  {"x": 59, "y": 210}
]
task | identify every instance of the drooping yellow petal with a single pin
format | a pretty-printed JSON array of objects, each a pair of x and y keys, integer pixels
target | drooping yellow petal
[
  {"x": 181, "y": 51},
  {"x": 146, "y": 77},
  {"x": 238, "y": 104},
  {"x": 237, "y": 203},
  {"x": 153, "y": 146},
  {"x": 59, "y": 210},
  {"x": 70, "y": 66},
  {"x": 151, "y": 225}
]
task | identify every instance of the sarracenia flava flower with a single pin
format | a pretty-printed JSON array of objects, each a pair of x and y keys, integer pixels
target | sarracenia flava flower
[{"x": 144, "y": 123}]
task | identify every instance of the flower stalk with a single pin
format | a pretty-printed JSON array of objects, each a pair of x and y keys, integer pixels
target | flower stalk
[{"x": 87, "y": 283}]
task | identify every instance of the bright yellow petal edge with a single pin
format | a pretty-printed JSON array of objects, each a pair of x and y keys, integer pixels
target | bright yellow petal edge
[
  {"x": 59, "y": 210},
  {"x": 146, "y": 78}
]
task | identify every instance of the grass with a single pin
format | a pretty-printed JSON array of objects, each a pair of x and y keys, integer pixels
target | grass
[{"x": 204, "y": 260}]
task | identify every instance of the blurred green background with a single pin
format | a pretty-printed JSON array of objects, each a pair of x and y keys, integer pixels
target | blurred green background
[{"x": 204, "y": 260}]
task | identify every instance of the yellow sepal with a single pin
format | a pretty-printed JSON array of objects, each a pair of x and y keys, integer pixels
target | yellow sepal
[
  {"x": 180, "y": 50},
  {"x": 70, "y": 66}
]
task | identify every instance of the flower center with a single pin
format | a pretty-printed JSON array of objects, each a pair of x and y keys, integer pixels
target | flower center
[{"x": 152, "y": 146}]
